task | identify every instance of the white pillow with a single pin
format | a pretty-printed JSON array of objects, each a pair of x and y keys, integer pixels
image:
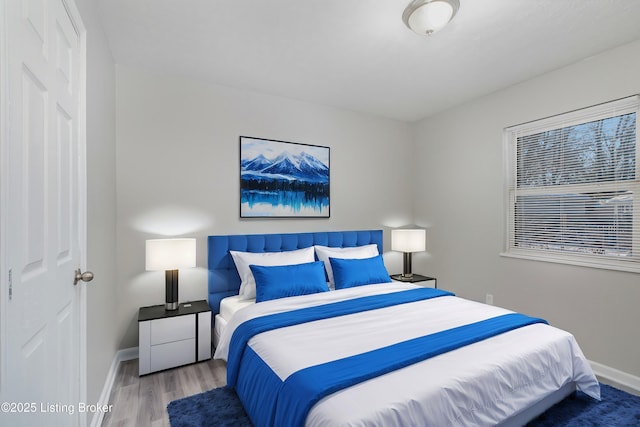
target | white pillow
[
  {"x": 357, "y": 252},
  {"x": 243, "y": 260}
]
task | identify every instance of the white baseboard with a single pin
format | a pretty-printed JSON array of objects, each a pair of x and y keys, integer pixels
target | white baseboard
[
  {"x": 616, "y": 376},
  {"x": 121, "y": 356}
]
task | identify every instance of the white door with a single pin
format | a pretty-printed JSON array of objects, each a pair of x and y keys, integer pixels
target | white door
[{"x": 43, "y": 215}]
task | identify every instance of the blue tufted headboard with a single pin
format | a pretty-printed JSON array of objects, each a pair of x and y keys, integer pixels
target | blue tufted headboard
[{"x": 223, "y": 276}]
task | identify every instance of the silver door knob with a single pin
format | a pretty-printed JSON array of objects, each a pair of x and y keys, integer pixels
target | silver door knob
[{"x": 87, "y": 276}]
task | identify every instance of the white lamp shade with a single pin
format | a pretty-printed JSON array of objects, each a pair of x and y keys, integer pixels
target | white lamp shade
[
  {"x": 170, "y": 254},
  {"x": 409, "y": 240}
]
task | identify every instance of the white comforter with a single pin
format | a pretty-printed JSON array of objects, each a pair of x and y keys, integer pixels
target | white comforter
[{"x": 478, "y": 385}]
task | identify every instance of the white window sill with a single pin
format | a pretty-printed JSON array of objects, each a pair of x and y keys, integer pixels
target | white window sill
[{"x": 626, "y": 266}]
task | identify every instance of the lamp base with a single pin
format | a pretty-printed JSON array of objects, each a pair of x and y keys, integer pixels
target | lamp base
[
  {"x": 170, "y": 306},
  {"x": 406, "y": 266},
  {"x": 171, "y": 290},
  {"x": 414, "y": 278}
]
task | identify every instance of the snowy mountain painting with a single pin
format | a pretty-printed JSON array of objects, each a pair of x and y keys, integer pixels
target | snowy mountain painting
[{"x": 283, "y": 179}]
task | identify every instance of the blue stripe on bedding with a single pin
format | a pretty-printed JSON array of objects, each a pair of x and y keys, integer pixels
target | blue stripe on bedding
[
  {"x": 245, "y": 331},
  {"x": 258, "y": 386},
  {"x": 302, "y": 389}
]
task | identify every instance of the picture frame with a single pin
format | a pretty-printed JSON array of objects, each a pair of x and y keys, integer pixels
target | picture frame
[{"x": 280, "y": 179}]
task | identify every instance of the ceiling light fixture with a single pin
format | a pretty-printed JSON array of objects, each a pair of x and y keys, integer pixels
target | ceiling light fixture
[{"x": 425, "y": 17}]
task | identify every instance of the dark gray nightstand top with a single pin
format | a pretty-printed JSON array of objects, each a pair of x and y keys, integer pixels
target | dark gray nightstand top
[
  {"x": 413, "y": 279},
  {"x": 158, "y": 311}
]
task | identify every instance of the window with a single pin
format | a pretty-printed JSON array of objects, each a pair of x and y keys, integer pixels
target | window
[{"x": 573, "y": 187}]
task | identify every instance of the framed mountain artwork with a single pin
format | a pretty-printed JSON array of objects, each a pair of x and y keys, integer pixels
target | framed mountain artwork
[{"x": 281, "y": 179}]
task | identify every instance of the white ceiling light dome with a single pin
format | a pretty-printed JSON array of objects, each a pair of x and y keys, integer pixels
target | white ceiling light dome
[{"x": 425, "y": 17}]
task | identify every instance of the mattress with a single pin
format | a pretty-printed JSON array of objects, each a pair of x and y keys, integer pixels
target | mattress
[
  {"x": 482, "y": 384},
  {"x": 228, "y": 307}
]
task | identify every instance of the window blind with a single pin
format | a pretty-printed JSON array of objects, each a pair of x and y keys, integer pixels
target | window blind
[{"x": 572, "y": 183}]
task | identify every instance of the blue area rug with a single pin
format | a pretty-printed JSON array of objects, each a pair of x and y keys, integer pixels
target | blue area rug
[
  {"x": 220, "y": 407},
  {"x": 616, "y": 409}
]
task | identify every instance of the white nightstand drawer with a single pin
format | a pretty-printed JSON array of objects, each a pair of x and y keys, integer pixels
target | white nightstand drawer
[
  {"x": 172, "y": 354},
  {"x": 170, "y": 338},
  {"x": 173, "y": 329}
]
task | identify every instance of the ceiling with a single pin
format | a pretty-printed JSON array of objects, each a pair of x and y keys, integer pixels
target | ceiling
[{"x": 357, "y": 54}]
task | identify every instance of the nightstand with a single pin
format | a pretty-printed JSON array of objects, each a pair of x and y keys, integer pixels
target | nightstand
[
  {"x": 170, "y": 338},
  {"x": 417, "y": 278}
]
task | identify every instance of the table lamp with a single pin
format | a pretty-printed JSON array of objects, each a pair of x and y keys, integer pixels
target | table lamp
[
  {"x": 408, "y": 241},
  {"x": 170, "y": 255}
]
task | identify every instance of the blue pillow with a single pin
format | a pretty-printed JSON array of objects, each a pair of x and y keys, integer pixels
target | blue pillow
[
  {"x": 348, "y": 273},
  {"x": 281, "y": 281}
]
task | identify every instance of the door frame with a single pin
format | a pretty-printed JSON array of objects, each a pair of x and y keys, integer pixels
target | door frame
[
  {"x": 4, "y": 132},
  {"x": 76, "y": 20}
]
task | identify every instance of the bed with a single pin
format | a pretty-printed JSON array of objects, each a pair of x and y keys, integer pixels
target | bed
[
  {"x": 356, "y": 355},
  {"x": 224, "y": 281}
]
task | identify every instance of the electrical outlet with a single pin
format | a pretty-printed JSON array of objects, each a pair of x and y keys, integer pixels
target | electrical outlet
[{"x": 489, "y": 299}]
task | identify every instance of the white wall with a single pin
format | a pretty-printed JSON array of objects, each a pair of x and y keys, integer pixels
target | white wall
[
  {"x": 102, "y": 336},
  {"x": 178, "y": 174},
  {"x": 459, "y": 193}
]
